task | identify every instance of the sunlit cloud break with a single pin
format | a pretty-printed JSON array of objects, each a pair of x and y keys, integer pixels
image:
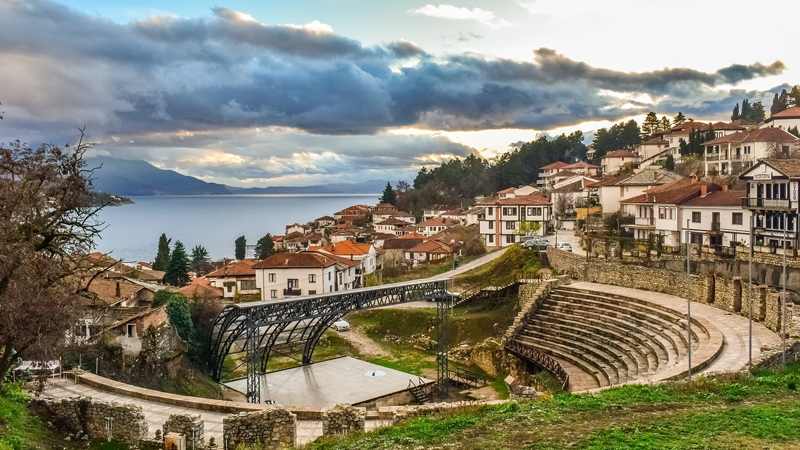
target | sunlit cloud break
[{"x": 483, "y": 17}]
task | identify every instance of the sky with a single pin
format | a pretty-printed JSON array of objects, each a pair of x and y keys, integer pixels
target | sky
[{"x": 265, "y": 93}]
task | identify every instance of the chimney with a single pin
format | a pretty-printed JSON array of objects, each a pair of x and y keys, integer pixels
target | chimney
[
  {"x": 119, "y": 294},
  {"x": 703, "y": 189},
  {"x": 724, "y": 188}
]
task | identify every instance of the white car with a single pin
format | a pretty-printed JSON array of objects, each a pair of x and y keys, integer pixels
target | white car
[
  {"x": 340, "y": 325},
  {"x": 566, "y": 246}
]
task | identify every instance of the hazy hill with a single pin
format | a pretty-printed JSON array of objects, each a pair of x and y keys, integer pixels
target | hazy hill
[{"x": 131, "y": 178}]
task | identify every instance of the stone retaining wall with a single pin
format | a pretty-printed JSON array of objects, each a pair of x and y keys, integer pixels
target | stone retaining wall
[
  {"x": 272, "y": 428},
  {"x": 97, "y": 419},
  {"x": 724, "y": 293},
  {"x": 342, "y": 419},
  {"x": 189, "y": 425},
  {"x": 398, "y": 414}
]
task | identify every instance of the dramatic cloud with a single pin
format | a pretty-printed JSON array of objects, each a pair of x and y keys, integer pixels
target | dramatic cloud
[
  {"x": 483, "y": 17},
  {"x": 206, "y": 83}
]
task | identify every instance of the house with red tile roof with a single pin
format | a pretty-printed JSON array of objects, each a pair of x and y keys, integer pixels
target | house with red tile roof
[
  {"x": 236, "y": 278},
  {"x": 788, "y": 118},
  {"x": 285, "y": 275},
  {"x": 432, "y": 226},
  {"x": 612, "y": 162},
  {"x": 717, "y": 220},
  {"x": 583, "y": 168},
  {"x": 364, "y": 255},
  {"x": 380, "y": 216},
  {"x": 429, "y": 251},
  {"x": 734, "y": 153},
  {"x": 546, "y": 171},
  {"x": 659, "y": 210},
  {"x": 502, "y": 217}
]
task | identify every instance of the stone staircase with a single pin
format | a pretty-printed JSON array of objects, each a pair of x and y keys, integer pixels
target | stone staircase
[{"x": 603, "y": 340}]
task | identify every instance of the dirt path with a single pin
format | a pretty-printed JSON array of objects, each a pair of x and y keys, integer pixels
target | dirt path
[{"x": 363, "y": 343}]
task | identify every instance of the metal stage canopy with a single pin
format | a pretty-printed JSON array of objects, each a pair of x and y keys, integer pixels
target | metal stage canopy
[{"x": 255, "y": 328}]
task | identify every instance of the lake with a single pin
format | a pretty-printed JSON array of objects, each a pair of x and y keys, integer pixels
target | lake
[{"x": 214, "y": 221}]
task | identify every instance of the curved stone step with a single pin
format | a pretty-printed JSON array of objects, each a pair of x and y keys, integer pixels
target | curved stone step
[
  {"x": 588, "y": 365},
  {"x": 656, "y": 346},
  {"x": 623, "y": 363},
  {"x": 639, "y": 363}
]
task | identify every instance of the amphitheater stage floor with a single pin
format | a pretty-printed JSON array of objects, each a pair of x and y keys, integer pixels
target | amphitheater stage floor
[
  {"x": 733, "y": 326},
  {"x": 328, "y": 383}
]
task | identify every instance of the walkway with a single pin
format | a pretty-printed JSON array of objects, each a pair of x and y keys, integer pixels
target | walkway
[
  {"x": 157, "y": 413},
  {"x": 734, "y": 327}
]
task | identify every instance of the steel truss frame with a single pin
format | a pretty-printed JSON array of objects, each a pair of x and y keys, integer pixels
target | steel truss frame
[{"x": 255, "y": 328}]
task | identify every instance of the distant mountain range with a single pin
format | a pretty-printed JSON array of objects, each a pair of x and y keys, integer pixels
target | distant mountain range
[{"x": 132, "y": 178}]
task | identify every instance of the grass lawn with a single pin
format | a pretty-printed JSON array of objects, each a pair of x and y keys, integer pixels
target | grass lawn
[{"x": 725, "y": 412}]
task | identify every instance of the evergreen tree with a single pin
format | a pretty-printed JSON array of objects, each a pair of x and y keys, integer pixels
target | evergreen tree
[
  {"x": 757, "y": 113},
  {"x": 745, "y": 110},
  {"x": 776, "y": 105},
  {"x": 666, "y": 125},
  {"x": 794, "y": 96},
  {"x": 240, "y": 249},
  {"x": 794, "y": 131},
  {"x": 162, "y": 257},
  {"x": 680, "y": 118},
  {"x": 651, "y": 124},
  {"x": 178, "y": 269},
  {"x": 199, "y": 260},
  {"x": 265, "y": 247},
  {"x": 735, "y": 116},
  {"x": 388, "y": 195},
  {"x": 669, "y": 164}
]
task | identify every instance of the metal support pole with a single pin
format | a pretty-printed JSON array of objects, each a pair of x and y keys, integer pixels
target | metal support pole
[
  {"x": 750, "y": 297},
  {"x": 688, "y": 303},
  {"x": 253, "y": 375},
  {"x": 442, "y": 352},
  {"x": 783, "y": 299}
]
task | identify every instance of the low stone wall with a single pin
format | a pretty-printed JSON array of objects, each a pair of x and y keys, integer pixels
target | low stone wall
[
  {"x": 729, "y": 294},
  {"x": 97, "y": 419},
  {"x": 398, "y": 414},
  {"x": 517, "y": 391},
  {"x": 188, "y": 425},
  {"x": 343, "y": 418},
  {"x": 272, "y": 428}
]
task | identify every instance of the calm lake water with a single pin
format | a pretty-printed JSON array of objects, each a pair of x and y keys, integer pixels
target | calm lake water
[{"x": 214, "y": 221}]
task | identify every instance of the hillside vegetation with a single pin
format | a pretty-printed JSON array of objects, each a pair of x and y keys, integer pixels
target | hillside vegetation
[
  {"x": 724, "y": 412},
  {"x": 515, "y": 260}
]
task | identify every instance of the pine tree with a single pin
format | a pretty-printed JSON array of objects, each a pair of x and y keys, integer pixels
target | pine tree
[
  {"x": 178, "y": 269},
  {"x": 388, "y": 195},
  {"x": 240, "y": 249},
  {"x": 757, "y": 113},
  {"x": 162, "y": 257},
  {"x": 745, "y": 110},
  {"x": 680, "y": 118},
  {"x": 665, "y": 124},
  {"x": 735, "y": 116},
  {"x": 651, "y": 124},
  {"x": 199, "y": 260},
  {"x": 265, "y": 247},
  {"x": 794, "y": 96}
]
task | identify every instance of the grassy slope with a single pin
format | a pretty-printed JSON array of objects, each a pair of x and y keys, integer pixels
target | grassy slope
[
  {"x": 515, "y": 259},
  {"x": 732, "y": 411},
  {"x": 22, "y": 430}
]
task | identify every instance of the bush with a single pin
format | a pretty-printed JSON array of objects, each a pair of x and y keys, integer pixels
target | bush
[{"x": 180, "y": 316}]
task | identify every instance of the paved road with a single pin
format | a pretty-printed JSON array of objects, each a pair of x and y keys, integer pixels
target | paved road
[
  {"x": 568, "y": 236},
  {"x": 471, "y": 265}
]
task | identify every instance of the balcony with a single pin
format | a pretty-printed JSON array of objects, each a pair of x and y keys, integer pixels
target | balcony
[
  {"x": 712, "y": 156},
  {"x": 645, "y": 222},
  {"x": 773, "y": 204},
  {"x": 291, "y": 291}
]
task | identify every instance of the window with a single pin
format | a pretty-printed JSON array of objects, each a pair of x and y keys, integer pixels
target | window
[
  {"x": 249, "y": 285},
  {"x": 510, "y": 225},
  {"x": 697, "y": 238},
  {"x": 312, "y": 292},
  {"x": 312, "y": 278},
  {"x": 131, "y": 332},
  {"x": 736, "y": 218},
  {"x": 491, "y": 224},
  {"x": 293, "y": 283},
  {"x": 339, "y": 277},
  {"x": 329, "y": 276},
  {"x": 491, "y": 239},
  {"x": 229, "y": 287},
  {"x": 510, "y": 239},
  {"x": 696, "y": 217},
  {"x": 662, "y": 212},
  {"x": 272, "y": 278},
  {"x": 489, "y": 211},
  {"x": 273, "y": 293}
]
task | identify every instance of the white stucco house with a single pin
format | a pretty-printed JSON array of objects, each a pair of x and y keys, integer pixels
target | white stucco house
[{"x": 305, "y": 273}]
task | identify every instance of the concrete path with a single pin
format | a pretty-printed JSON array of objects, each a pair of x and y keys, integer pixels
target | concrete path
[
  {"x": 157, "y": 413},
  {"x": 734, "y": 327}
]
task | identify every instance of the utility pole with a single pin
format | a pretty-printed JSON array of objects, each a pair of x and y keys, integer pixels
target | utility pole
[
  {"x": 783, "y": 300},
  {"x": 688, "y": 302},
  {"x": 750, "y": 296}
]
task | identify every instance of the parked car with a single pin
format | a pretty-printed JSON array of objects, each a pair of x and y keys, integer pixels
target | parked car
[
  {"x": 535, "y": 241},
  {"x": 435, "y": 297},
  {"x": 341, "y": 325},
  {"x": 566, "y": 246}
]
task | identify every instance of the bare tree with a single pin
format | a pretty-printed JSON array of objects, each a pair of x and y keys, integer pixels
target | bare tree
[
  {"x": 563, "y": 204},
  {"x": 47, "y": 228},
  {"x": 780, "y": 150}
]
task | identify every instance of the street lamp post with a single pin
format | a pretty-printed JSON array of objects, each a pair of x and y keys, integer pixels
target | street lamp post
[
  {"x": 750, "y": 296},
  {"x": 688, "y": 303},
  {"x": 783, "y": 300}
]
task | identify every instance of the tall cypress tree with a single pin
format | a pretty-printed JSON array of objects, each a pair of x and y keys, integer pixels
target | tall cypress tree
[
  {"x": 240, "y": 247},
  {"x": 735, "y": 115},
  {"x": 178, "y": 269},
  {"x": 163, "y": 256}
]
